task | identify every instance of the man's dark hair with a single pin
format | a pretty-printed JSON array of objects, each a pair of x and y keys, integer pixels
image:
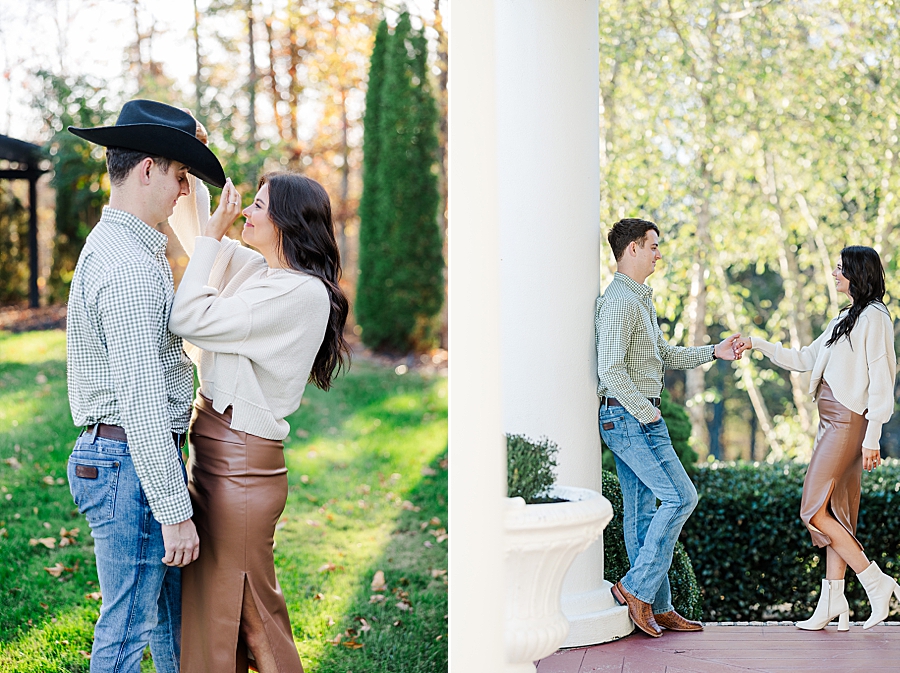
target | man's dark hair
[
  {"x": 625, "y": 231},
  {"x": 120, "y": 161}
]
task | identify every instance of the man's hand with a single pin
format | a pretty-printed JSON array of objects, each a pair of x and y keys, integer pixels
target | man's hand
[
  {"x": 871, "y": 459},
  {"x": 725, "y": 350},
  {"x": 225, "y": 215},
  {"x": 182, "y": 543}
]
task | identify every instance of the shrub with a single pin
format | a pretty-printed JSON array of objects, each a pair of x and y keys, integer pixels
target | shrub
[
  {"x": 401, "y": 284},
  {"x": 679, "y": 426},
  {"x": 529, "y": 467},
  {"x": 753, "y": 556},
  {"x": 686, "y": 595}
]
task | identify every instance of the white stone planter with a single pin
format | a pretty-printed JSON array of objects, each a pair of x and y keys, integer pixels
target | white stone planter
[{"x": 540, "y": 543}]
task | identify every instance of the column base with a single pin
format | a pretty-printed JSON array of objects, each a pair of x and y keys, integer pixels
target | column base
[{"x": 595, "y": 617}]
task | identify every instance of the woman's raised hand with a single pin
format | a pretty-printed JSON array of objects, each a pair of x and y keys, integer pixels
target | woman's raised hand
[{"x": 228, "y": 211}]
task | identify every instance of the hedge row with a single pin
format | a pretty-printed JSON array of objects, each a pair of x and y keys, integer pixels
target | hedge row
[{"x": 753, "y": 557}]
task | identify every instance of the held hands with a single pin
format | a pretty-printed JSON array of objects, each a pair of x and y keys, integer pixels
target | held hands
[
  {"x": 181, "y": 542},
  {"x": 871, "y": 459},
  {"x": 741, "y": 345},
  {"x": 727, "y": 350},
  {"x": 228, "y": 211}
]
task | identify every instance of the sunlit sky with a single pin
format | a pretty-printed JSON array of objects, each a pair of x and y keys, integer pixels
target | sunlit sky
[{"x": 91, "y": 37}]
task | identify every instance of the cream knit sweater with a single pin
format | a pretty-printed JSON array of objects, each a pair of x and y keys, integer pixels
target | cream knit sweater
[
  {"x": 861, "y": 377},
  {"x": 252, "y": 331}
]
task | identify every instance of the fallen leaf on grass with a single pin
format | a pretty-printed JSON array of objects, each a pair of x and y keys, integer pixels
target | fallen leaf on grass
[
  {"x": 437, "y": 572},
  {"x": 409, "y": 506},
  {"x": 86, "y": 655},
  {"x": 315, "y": 524},
  {"x": 94, "y": 596},
  {"x": 363, "y": 625},
  {"x": 403, "y": 605},
  {"x": 336, "y": 640},
  {"x": 353, "y": 644},
  {"x": 327, "y": 568},
  {"x": 13, "y": 462},
  {"x": 428, "y": 471},
  {"x": 376, "y": 598},
  {"x": 48, "y": 542},
  {"x": 428, "y": 544},
  {"x": 58, "y": 570},
  {"x": 319, "y": 597},
  {"x": 4, "y": 532},
  {"x": 443, "y": 464},
  {"x": 44, "y": 605},
  {"x": 399, "y": 622},
  {"x": 378, "y": 583},
  {"x": 68, "y": 537}
]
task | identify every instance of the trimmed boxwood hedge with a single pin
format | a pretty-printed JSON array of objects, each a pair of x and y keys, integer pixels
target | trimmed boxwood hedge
[
  {"x": 754, "y": 558},
  {"x": 685, "y": 593}
]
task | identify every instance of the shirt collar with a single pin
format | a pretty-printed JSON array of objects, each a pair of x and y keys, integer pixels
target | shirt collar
[
  {"x": 150, "y": 238},
  {"x": 639, "y": 289}
]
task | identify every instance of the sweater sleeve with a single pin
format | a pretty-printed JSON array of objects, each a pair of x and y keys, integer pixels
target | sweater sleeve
[
  {"x": 881, "y": 362},
  {"x": 199, "y": 313},
  {"x": 191, "y": 214},
  {"x": 234, "y": 324},
  {"x": 798, "y": 360}
]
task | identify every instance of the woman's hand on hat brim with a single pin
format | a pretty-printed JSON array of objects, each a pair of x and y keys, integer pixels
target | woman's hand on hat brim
[{"x": 224, "y": 216}]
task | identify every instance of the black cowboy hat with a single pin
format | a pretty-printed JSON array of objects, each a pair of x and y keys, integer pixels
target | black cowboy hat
[{"x": 160, "y": 130}]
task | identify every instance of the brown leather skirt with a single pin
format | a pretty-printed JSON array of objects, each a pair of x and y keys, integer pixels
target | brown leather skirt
[
  {"x": 238, "y": 485},
  {"x": 835, "y": 469}
]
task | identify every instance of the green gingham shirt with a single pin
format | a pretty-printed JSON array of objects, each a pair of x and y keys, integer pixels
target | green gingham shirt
[
  {"x": 125, "y": 367},
  {"x": 632, "y": 353}
]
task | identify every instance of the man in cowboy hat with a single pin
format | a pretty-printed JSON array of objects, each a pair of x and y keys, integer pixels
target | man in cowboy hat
[{"x": 130, "y": 387}]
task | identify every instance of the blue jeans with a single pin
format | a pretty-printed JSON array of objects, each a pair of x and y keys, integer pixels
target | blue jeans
[
  {"x": 648, "y": 469},
  {"x": 141, "y": 595}
]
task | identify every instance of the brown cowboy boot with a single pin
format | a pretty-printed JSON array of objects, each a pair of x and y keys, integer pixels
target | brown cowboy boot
[
  {"x": 674, "y": 622},
  {"x": 641, "y": 613}
]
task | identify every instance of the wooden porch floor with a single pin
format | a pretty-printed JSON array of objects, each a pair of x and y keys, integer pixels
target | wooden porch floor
[{"x": 757, "y": 647}]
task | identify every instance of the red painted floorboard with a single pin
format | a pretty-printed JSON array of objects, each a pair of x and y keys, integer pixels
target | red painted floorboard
[{"x": 739, "y": 649}]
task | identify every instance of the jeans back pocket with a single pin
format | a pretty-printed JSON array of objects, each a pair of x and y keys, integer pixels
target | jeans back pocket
[
  {"x": 93, "y": 484},
  {"x": 613, "y": 430}
]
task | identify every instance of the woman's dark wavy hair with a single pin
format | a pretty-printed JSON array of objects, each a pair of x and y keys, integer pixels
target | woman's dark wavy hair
[
  {"x": 862, "y": 267},
  {"x": 301, "y": 211}
]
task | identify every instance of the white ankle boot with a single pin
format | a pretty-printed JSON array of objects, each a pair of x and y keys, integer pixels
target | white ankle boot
[
  {"x": 832, "y": 603},
  {"x": 879, "y": 588}
]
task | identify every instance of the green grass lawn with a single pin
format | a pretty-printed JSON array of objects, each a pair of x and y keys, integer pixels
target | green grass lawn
[{"x": 368, "y": 486}]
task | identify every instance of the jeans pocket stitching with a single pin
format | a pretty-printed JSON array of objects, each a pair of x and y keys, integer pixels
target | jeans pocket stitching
[{"x": 79, "y": 487}]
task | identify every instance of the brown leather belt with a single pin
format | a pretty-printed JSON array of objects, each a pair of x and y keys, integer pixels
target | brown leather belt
[
  {"x": 613, "y": 402},
  {"x": 117, "y": 434}
]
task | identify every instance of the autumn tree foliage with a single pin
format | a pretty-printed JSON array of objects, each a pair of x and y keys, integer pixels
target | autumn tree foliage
[{"x": 400, "y": 287}]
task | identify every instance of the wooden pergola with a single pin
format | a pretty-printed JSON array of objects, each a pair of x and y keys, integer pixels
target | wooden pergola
[{"x": 24, "y": 161}]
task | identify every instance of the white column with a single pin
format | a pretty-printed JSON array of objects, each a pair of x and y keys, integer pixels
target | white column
[
  {"x": 477, "y": 455},
  {"x": 548, "y": 135}
]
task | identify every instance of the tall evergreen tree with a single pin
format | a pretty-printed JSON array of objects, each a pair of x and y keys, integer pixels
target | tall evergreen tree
[
  {"x": 403, "y": 292},
  {"x": 371, "y": 236}
]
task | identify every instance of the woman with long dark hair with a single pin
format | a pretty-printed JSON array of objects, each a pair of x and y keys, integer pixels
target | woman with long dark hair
[
  {"x": 853, "y": 368},
  {"x": 260, "y": 325}
]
